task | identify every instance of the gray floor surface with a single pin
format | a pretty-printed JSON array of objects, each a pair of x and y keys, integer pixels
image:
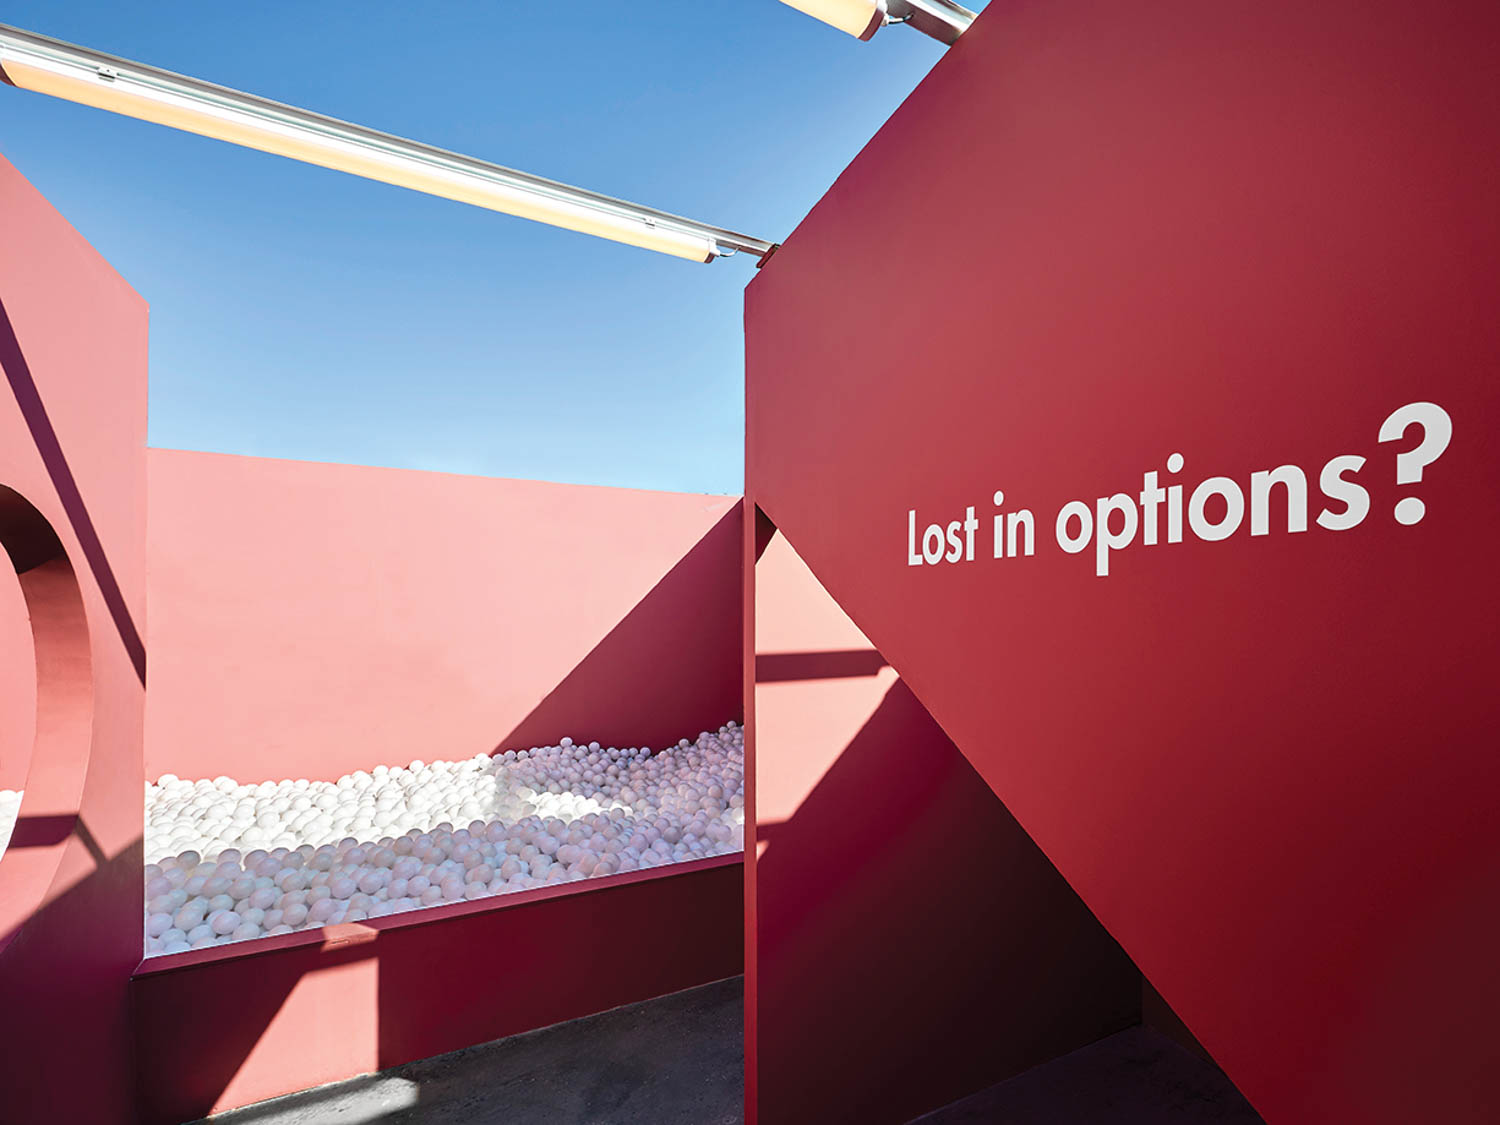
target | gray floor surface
[
  {"x": 1137, "y": 1077},
  {"x": 678, "y": 1061}
]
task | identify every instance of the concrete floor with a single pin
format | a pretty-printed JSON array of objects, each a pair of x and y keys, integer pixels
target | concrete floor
[
  {"x": 1138, "y": 1077},
  {"x": 678, "y": 1061},
  {"x": 673, "y": 1061}
]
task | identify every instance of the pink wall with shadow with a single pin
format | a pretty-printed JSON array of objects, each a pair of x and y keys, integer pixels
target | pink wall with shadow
[
  {"x": 309, "y": 619},
  {"x": 312, "y": 619},
  {"x": 72, "y": 520}
]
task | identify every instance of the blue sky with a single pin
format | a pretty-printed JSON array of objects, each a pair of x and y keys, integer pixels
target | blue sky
[{"x": 298, "y": 312}]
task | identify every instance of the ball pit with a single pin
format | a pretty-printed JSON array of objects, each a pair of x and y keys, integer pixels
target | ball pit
[{"x": 230, "y": 862}]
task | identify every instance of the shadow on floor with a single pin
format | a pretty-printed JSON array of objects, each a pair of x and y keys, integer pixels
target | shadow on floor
[
  {"x": 676, "y": 1060},
  {"x": 1136, "y": 1077}
]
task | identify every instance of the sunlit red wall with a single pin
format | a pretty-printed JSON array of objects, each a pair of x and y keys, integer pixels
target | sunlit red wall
[
  {"x": 1098, "y": 234},
  {"x": 310, "y": 619},
  {"x": 72, "y": 455}
]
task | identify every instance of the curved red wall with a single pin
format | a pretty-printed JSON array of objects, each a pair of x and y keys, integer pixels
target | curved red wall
[
  {"x": 1099, "y": 234},
  {"x": 17, "y": 683}
]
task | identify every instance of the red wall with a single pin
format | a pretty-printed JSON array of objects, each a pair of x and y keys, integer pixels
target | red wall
[
  {"x": 911, "y": 944},
  {"x": 72, "y": 517},
  {"x": 17, "y": 683},
  {"x": 309, "y": 620},
  {"x": 307, "y": 1009},
  {"x": 1096, "y": 235}
]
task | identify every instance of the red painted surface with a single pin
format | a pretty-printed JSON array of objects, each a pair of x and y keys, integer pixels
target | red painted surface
[
  {"x": 313, "y": 1008},
  {"x": 903, "y": 920},
  {"x": 756, "y": 532},
  {"x": 1246, "y": 234},
  {"x": 17, "y": 683},
  {"x": 310, "y": 620},
  {"x": 72, "y": 519}
]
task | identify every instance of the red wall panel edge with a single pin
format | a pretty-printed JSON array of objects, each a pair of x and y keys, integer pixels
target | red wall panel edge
[{"x": 749, "y": 532}]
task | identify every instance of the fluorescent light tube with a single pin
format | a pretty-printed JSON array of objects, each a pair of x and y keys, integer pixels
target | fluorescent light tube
[
  {"x": 859, "y": 18},
  {"x": 943, "y": 20},
  {"x": 77, "y": 74}
]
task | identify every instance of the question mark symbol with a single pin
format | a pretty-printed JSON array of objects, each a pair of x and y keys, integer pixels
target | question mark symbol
[{"x": 1437, "y": 431}]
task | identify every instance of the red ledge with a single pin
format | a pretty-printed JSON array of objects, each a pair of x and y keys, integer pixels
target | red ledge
[{"x": 346, "y": 934}]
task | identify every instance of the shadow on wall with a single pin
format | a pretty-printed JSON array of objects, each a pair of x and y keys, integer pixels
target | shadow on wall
[
  {"x": 69, "y": 911},
  {"x": 783, "y": 667},
  {"x": 29, "y": 400},
  {"x": 906, "y": 918},
  {"x": 642, "y": 684},
  {"x": 67, "y": 960},
  {"x": 54, "y": 847},
  {"x": 645, "y": 684}
]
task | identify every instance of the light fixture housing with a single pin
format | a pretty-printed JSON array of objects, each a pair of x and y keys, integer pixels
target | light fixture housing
[
  {"x": 943, "y": 20},
  {"x": 859, "y": 18},
  {"x": 78, "y": 74}
]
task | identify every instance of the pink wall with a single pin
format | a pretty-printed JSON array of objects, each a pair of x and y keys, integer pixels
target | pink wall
[
  {"x": 309, "y": 620},
  {"x": 896, "y": 902},
  {"x": 1245, "y": 233},
  {"x": 72, "y": 517}
]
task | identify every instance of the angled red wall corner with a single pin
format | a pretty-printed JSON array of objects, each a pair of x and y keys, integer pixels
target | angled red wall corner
[
  {"x": 72, "y": 467},
  {"x": 1247, "y": 235},
  {"x": 310, "y": 620},
  {"x": 912, "y": 945}
]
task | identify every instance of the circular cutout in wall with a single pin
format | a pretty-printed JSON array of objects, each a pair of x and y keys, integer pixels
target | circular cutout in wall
[
  {"x": 17, "y": 699},
  {"x": 54, "y": 706}
]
